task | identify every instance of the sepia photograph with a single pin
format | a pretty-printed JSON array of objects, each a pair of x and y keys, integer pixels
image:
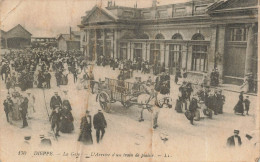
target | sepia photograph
[{"x": 129, "y": 80}]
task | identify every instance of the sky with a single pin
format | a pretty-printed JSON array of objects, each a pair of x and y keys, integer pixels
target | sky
[{"x": 45, "y": 18}]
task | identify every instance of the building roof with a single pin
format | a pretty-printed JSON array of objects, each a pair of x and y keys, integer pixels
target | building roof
[
  {"x": 102, "y": 10},
  {"x": 17, "y": 27},
  {"x": 234, "y": 4},
  {"x": 17, "y": 31},
  {"x": 2, "y": 33},
  {"x": 119, "y": 14},
  {"x": 67, "y": 37},
  {"x": 76, "y": 33}
]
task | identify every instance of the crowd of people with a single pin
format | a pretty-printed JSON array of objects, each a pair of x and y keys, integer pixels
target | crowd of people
[
  {"x": 18, "y": 106},
  {"x": 34, "y": 68}
]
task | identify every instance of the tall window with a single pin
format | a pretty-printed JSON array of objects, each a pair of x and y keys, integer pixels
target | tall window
[
  {"x": 155, "y": 54},
  {"x": 137, "y": 51},
  {"x": 108, "y": 49},
  {"x": 238, "y": 34},
  {"x": 100, "y": 47},
  {"x": 199, "y": 55},
  {"x": 123, "y": 51},
  {"x": 199, "y": 58},
  {"x": 174, "y": 55}
]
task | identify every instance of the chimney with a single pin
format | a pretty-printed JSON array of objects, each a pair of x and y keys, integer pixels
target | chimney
[
  {"x": 154, "y": 3},
  {"x": 70, "y": 33}
]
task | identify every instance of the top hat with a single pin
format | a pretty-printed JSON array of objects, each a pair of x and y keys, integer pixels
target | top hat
[{"x": 236, "y": 131}]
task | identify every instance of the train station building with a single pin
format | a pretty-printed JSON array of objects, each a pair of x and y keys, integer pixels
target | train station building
[
  {"x": 16, "y": 38},
  {"x": 197, "y": 36}
]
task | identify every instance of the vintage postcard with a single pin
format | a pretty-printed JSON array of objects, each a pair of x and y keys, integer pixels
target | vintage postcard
[{"x": 129, "y": 80}]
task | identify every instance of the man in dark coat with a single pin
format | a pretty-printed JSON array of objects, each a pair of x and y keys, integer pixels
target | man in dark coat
[
  {"x": 247, "y": 104},
  {"x": 99, "y": 124},
  {"x": 41, "y": 79},
  {"x": 192, "y": 108},
  {"x": 23, "y": 110},
  {"x": 55, "y": 120},
  {"x": 8, "y": 107},
  {"x": 92, "y": 82},
  {"x": 55, "y": 101},
  {"x": 220, "y": 102},
  {"x": 234, "y": 140},
  {"x": 48, "y": 79},
  {"x": 85, "y": 129},
  {"x": 215, "y": 102}
]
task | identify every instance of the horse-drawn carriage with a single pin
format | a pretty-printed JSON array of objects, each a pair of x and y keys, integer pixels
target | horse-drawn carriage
[
  {"x": 128, "y": 94},
  {"x": 118, "y": 91}
]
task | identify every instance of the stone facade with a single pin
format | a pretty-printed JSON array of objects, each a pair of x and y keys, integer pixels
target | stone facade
[{"x": 196, "y": 35}]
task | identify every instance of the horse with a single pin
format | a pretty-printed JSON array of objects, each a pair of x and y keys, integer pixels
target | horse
[{"x": 153, "y": 102}]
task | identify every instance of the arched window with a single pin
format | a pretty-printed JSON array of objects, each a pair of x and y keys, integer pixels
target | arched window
[
  {"x": 143, "y": 36},
  {"x": 197, "y": 36},
  {"x": 159, "y": 36},
  {"x": 129, "y": 35},
  {"x": 177, "y": 36}
]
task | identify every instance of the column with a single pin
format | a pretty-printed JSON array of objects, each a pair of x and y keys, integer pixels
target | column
[
  {"x": 148, "y": 51},
  {"x": 189, "y": 57},
  {"x": 112, "y": 45},
  {"x": 249, "y": 50},
  {"x": 167, "y": 55},
  {"x": 163, "y": 53},
  {"x": 132, "y": 51},
  {"x": 144, "y": 48},
  {"x": 212, "y": 48},
  {"x": 104, "y": 42},
  {"x": 88, "y": 43},
  {"x": 116, "y": 55},
  {"x": 220, "y": 49},
  {"x": 94, "y": 52},
  {"x": 87, "y": 48},
  {"x": 183, "y": 56}
]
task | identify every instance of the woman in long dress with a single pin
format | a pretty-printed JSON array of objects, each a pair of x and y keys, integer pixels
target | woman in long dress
[
  {"x": 17, "y": 101},
  {"x": 85, "y": 135},
  {"x": 67, "y": 119},
  {"x": 245, "y": 85},
  {"x": 239, "y": 108},
  {"x": 31, "y": 104}
]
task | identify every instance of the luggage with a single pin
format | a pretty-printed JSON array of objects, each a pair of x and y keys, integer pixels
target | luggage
[
  {"x": 208, "y": 113},
  {"x": 197, "y": 115},
  {"x": 178, "y": 106},
  {"x": 188, "y": 115}
]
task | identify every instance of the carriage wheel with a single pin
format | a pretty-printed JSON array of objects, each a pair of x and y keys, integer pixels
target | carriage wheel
[{"x": 104, "y": 101}]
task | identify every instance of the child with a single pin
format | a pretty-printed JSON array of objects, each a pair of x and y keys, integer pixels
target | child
[{"x": 247, "y": 104}]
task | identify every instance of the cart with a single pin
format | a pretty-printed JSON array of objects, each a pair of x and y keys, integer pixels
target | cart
[{"x": 121, "y": 91}]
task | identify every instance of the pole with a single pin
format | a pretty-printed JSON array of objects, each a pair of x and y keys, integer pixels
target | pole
[
  {"x": 45, "y": 103},
  {"x": 48, "y": 113}
]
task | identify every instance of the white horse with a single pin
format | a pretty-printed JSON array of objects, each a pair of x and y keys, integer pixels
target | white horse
[{"x": 153, "y": 102}]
